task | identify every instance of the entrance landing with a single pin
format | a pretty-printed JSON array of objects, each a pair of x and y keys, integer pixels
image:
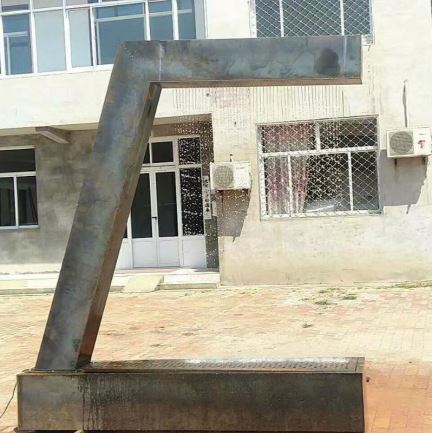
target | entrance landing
[{"x": 127, "y": 281}]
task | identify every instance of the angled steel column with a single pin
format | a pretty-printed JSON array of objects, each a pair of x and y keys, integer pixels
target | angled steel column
[{"x": 141, "y": 70}]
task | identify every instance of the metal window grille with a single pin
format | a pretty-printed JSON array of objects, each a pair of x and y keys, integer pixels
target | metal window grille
[
  {"x": 275, "y": 18},
  {"x": 325, "y": 167}
]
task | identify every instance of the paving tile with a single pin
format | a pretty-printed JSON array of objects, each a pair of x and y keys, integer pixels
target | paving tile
[{"x": 392, "y": 328}]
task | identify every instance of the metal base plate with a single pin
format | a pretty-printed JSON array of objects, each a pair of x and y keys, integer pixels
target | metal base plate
[{"x": 283, "y": 395}]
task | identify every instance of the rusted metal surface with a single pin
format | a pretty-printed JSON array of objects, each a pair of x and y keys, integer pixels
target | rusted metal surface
[
  {"x": 141, "y": 69},
  {"x": 281, "y": 396},
  {"x": 335, "y": 365}
]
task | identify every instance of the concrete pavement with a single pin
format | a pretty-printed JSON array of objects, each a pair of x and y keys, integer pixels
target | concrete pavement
[{"x": 392, "y": 327}]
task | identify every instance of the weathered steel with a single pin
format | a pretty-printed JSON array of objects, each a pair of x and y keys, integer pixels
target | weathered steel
[
  {"x": 140, "y": 71},
  {"x": 250, "y": 396}
]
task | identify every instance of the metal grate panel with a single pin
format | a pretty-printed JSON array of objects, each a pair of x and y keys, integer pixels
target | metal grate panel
[
  {"x": 325, "y": 167},
  {"x": 345, "y": 365},
  {"x": 275, "y": 18}
]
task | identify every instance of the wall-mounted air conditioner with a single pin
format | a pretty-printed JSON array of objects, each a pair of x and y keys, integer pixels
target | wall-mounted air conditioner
[
  {"x": 409, "y": 143},
  {"x": 230, "y": 176}
]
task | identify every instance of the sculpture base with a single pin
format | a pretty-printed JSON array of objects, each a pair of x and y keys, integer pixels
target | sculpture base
[{"x": 289, "y": 395}]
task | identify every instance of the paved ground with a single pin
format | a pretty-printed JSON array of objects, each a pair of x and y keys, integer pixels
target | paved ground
[{"x": 392, "y": 327}]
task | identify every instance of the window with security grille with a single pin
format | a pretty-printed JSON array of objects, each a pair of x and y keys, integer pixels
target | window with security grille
[
  {"x": 325, "y": 167},
  {"x": 275, "y": 18}
]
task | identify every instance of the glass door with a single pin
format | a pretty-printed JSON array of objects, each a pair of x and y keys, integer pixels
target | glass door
[
  {"x": 154, "y": 220},
  {"x": 144, "y": 242},
  {"x": 166, "y": 225},
  {"x": 167, "y": 218}
]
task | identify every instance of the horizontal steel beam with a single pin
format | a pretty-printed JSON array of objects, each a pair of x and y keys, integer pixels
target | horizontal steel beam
[
  {"x": 249, "y": 62},
  {"x": 318, "y": 396}
]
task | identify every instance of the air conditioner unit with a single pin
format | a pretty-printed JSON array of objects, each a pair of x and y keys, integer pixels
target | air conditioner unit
[
  {"x": 230, "y": 176},
  {"x": 409, "y": 143}
]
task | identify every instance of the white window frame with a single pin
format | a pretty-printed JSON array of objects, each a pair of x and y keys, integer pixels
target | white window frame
[
  {"x": 318, "y": 151},
  {"x": 367, "y": 39},
  {"x": 93, "y": 31},
  {"x": 15, "y": 175}
]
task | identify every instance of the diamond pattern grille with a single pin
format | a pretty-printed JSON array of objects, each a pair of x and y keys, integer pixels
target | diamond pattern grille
[
  {"x": 275, "y": 18},
  {"x": 326, "y": 167}
]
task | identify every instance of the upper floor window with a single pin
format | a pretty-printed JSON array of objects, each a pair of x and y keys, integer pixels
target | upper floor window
[
  {"x": 276, "y": 18},
  {"x": 58, "y": 35},
  {"x": 18, "y": 198}
]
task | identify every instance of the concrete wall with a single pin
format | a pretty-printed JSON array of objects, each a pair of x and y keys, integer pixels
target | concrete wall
[
  {"x": 395, "y": 245},
  {"x": 60, "y": 171}
]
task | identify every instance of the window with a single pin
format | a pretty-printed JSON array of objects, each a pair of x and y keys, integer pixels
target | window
[
  {"x": 276, "y": 18},
  {"x": 17, "y": 46},
  {"x": 48, "y": 35},
  {"x": 326, "y": 167},
  {"x": 116, "y": 24},
  {"x": 18, "y": 198}
]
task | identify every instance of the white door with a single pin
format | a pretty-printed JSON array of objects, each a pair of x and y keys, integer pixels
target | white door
[
  {"x": 154, "y": 221},
  {"x": 166, "y": 226}
]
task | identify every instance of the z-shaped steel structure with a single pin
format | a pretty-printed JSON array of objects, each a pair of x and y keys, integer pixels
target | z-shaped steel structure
[{"x": 141, "y": 71}]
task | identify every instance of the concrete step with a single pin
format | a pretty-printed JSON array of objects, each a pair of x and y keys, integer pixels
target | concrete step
[
  {"x": 135, "y": 281},
  {"x": 190, "y": 279}
]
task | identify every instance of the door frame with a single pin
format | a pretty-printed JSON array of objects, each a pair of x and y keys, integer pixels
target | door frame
[{"x": 164, "y": 167}]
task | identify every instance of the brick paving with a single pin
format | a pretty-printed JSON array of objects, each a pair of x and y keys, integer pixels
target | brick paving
[{"x": 392, "y": 327}]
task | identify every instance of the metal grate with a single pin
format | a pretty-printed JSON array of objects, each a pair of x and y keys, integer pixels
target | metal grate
[
  {"x": 275, "y": 18},
  {"x": 304, "y": 364},
  {"x": 326, "y": 167}
]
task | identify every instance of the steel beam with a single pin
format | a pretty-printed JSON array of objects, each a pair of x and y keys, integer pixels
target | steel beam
[{"x": 141, "y": 70}]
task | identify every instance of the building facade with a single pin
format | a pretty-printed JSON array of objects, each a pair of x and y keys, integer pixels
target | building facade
[{"x": 326, "y": 203}]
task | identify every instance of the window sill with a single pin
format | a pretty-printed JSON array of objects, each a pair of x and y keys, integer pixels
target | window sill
[
  {"x": 70, "y": 71},
  {"x": 18, "y": 228},
  {"x": 320, "y": 216}
]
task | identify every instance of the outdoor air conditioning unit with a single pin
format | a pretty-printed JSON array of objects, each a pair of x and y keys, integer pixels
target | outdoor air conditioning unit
[
  {"x": 230, "y": 176},
  {"x": 408, "y": 143}
]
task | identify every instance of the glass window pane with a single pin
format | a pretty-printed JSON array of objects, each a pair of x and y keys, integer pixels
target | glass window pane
[
  {"x": 312, "y": 18},
  {"x": 162, "y": 152},
  {"x": 17, "y": 44},
  {"x": 79, "y": 23},
  {"x": 79, "y": 2},
  {"x": 288, "y": 137},
  {"x": 166, "y": 204},
  {"x": 276, "y": 175},
  {"x": 7, "y": 202},
  {"x": 348, "y": 133},
  {"x": 357, "y": 17},
  {"x": 147, "y": 155},
  {"x": 14, "y": 5},
  {"x": 50, "y": 42},
  {"x": 12, "y": 161},
  {"x": 365, "y": 181},
  {"x": 192, "y": 205},
  {"x": 141, "y": 210},
  {"x": 27, "y": 201},
  {"x": 119, "y": 11},
  {"x": 189, "y": 150},
  {"x": 39, "y": 4},
  {"x": 268, "y": 19},
  {"x": 185, "y": 4},
  {"x": 161, "y": 28},
  {"x": 186, "y": 24},
  {"x": 320, "y": 183},
  {"x": 111, "y": 32},
  {"x": 160, "y": 6}
]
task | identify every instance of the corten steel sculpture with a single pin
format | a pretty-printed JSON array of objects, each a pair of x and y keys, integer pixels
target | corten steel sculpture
[{"x": 65, "y": 391}]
